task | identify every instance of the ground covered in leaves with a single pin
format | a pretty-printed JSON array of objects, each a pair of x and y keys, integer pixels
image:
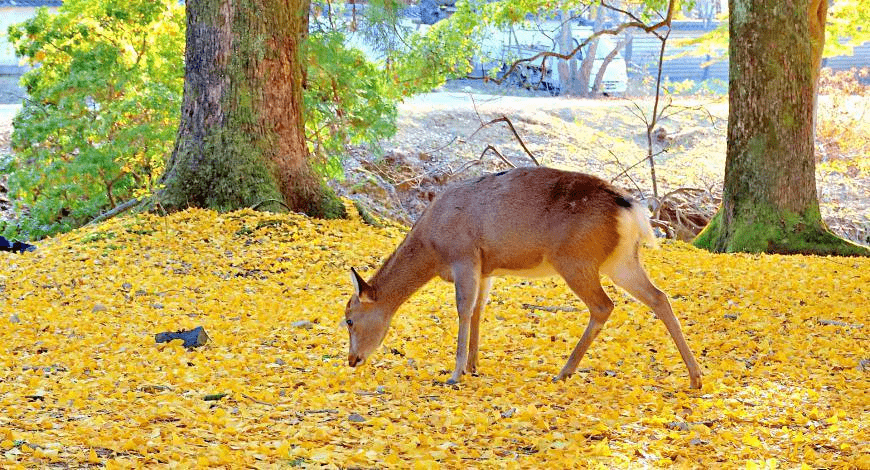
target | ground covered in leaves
[{"x": 782, "y": 342}]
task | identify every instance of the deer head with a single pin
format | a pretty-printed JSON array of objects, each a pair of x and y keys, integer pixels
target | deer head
[{"x": 367, "y": 321}]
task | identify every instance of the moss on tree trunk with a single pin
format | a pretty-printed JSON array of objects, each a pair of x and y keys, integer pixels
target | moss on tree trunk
[
  {"x": 768, "y": 230},
  {"x": 769, "y": 200},
  {"x": 241, "y": 138}
]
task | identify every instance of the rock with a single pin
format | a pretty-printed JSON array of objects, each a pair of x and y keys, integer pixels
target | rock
[
  {"x": 192, "y": 338},
  {"x": 99, "y": 308},
  {"x": 356, "y": 418},
  {"x": 305, "y": 324},
  {"x": 14, "y": 318},
  {"x": 15, "y": 246}
]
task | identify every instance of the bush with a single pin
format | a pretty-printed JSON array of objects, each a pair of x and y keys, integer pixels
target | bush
[{"x": 104, "y": 98}]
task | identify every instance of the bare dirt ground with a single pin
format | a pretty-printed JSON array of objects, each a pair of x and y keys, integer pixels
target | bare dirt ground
[{"x": 440, "y": 140}]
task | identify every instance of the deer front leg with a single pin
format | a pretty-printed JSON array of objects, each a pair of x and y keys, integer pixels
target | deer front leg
[
  {"x": 474, "y": 340},
  {"x": 466, "y": 279}
]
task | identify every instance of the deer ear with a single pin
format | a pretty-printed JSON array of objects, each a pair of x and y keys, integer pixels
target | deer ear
[{"x": 361, "y": 288}]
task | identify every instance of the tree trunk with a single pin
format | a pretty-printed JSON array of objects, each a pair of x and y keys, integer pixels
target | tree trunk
[
  {"x": 599, "y": 77},
  {"x": 770, "y": 202},
  {"x": 567, "y": 68},
  {"x": 818, "y": 12},
  {"x": 585, "y": 75},
  {"x": 241, "y": 139},
  {"x": 586, "y": 80}
]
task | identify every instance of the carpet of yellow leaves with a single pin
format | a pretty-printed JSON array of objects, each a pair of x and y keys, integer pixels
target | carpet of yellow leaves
[{"x": 782, "y": 342}]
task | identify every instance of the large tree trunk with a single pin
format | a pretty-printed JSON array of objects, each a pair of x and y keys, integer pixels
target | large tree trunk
[
  {"x": 241, "y": 139},
  {"x": 770, "y": 202}
]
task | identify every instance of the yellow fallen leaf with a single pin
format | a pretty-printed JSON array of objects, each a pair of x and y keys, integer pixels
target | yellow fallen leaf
[{"x": 750, "y": 440}]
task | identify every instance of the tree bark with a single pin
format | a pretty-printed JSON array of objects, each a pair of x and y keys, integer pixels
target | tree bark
[
  {"x": 241, "y": 138},
  {"x": 770, "y": 202},
  {"x": 585, "y": 80},
  {"x": 599, "y": 77},
  {"x": 567, "y": 68}
]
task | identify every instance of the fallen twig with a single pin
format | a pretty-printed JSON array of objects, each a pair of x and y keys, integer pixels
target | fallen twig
[
  {"x": 257, "y": 401},
  {"x": 551, "y": 309},
  {"x": 117, "y": 210},
  {"x": 264, "y": 201}
]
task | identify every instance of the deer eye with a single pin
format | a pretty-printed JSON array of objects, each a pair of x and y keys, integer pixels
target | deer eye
[{"x": 349, "y": 322}]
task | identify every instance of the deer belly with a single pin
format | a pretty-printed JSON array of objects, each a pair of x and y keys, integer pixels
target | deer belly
[{"x": 544, "y": 269}]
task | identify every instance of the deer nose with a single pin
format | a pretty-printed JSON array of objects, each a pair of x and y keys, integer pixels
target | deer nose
[{"x": 353, "y": 360}]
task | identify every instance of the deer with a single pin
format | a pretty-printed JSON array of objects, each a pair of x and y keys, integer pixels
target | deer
[{"x": 527, "y": 222}]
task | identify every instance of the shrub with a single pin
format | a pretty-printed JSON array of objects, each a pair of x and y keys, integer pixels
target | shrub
[{"x": 104, "y": 97}]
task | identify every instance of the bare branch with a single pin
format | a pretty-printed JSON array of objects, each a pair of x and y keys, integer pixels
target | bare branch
[
  {"x": 635, "y": 23},
  {"x": 116, "y": 211},
  {"x": 674, "y": 193},
  {"x": 472, "y": 163},
  {"x": 513, "y": 129},
  {"x": 490, "y": 147},
  {"x": 625, "y": 171},
  {"x": 638, "y": 113}
]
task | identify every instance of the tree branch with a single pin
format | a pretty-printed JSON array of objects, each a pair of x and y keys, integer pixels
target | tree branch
[
  {"x": 635, "y": 23},
  {"x": 117, "y": 210},
  {"x": 513, "y": 129}
]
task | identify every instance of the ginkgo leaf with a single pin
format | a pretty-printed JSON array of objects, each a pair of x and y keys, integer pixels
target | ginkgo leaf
[{"x": 90, "y": 387}]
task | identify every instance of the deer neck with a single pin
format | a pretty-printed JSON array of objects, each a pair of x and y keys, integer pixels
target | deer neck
[{"x": 405, "y": 271}]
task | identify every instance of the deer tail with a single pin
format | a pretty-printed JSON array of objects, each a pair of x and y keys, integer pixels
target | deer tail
[{"x": 644, "y": 228}]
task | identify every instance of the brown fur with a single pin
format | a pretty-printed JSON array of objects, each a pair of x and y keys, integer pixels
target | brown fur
[{"x": 529, "y": 222}]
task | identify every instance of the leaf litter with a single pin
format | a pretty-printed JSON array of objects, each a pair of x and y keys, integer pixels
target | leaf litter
[{"x": 782, "y": 341}]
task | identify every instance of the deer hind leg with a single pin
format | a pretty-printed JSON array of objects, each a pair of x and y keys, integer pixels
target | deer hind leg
[
  {"x": 630, "y": 275},
  {"x": 586, "y": 284},
  {"x": 466, "y": 279},
  {"x": 474, "y": 339}
]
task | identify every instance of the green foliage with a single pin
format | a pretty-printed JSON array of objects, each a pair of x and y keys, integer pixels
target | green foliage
[
  {"x": 846, "y": 26},
  {"x": 103, "y": 108},
  {"x": 445, "y": 50},
  {"x": 347, "y": 100}
]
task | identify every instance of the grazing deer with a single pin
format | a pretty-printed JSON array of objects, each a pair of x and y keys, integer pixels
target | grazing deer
[{"x": 529, "y": 222}]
